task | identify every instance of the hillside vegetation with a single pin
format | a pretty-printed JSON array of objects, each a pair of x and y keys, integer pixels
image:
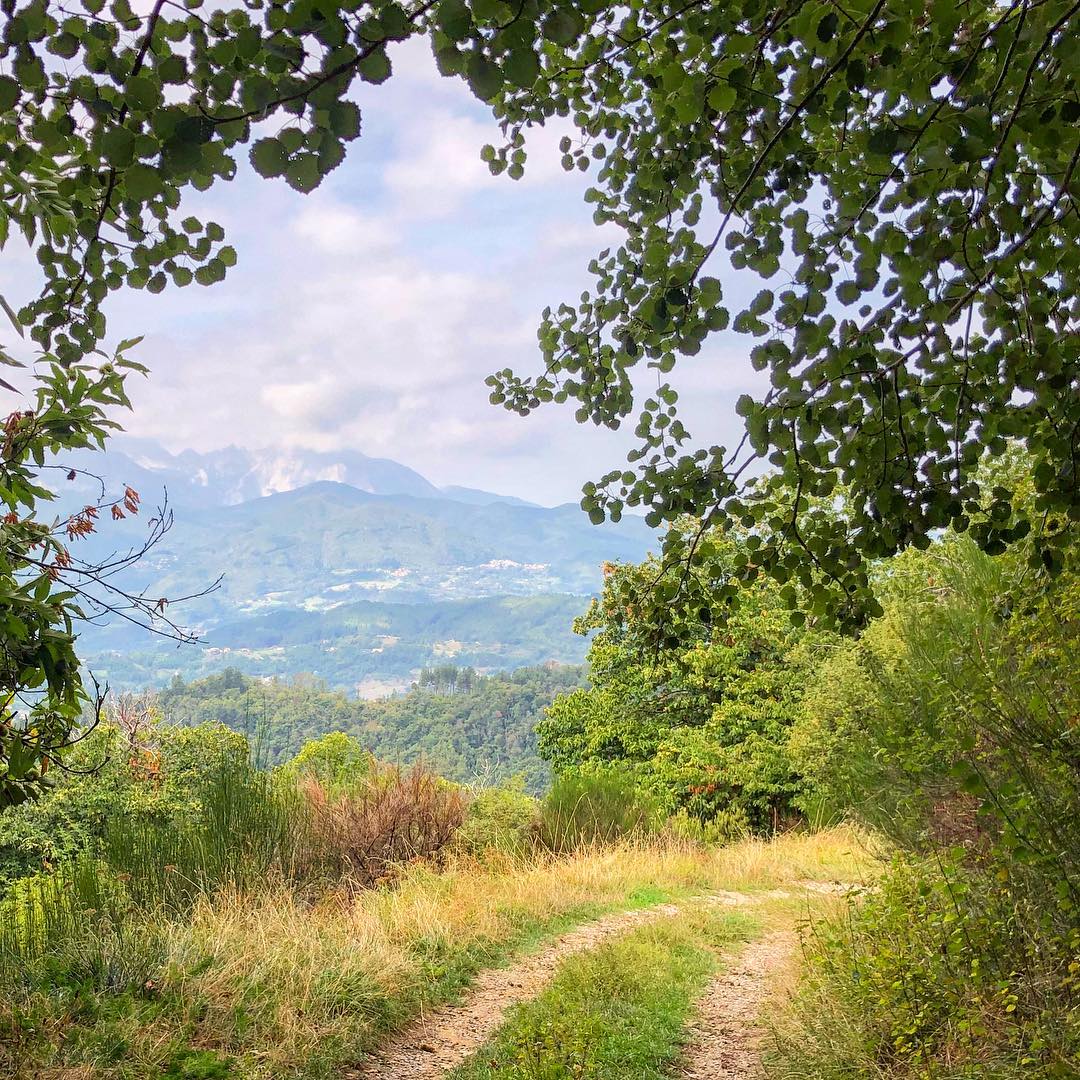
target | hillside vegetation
[
  {"x": 369, "y": 644},
  {"x": 258, "y": 879},
  {"x": 465, "y": 726},
  {"x": 206, "y": 919}
]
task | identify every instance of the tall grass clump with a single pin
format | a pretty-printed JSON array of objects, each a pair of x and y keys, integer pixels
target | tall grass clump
[
  {"x": 75, "y": 927},
  {"x": 389, "y": 818},
  {"x": 244, "y": 831},
  {"x": 595, "y": 807}
]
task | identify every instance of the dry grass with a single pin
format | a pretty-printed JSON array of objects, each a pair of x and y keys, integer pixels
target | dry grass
[
  {"x": 396, "y": 816},
  {"x": 324, "y": 979},
  {"x": 281, "y": 988}
]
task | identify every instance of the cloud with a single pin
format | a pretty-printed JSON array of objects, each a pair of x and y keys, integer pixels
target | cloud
[
  {"x": 333, "y": 229},
  {"x": 438, "y": 164},
  {"x": 367, "y": 314}
]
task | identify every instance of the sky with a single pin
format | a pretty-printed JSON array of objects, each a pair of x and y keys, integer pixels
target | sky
[{"x": 366, "y": 314}]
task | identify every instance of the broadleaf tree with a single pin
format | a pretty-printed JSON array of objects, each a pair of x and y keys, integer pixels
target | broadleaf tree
[
  {"x": 704, "y": 720},
  {"x": 902, "y": 176}
]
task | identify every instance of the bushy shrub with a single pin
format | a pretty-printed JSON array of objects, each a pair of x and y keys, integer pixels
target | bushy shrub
[
  {"x": 112, "y": 780},
  {"x": 951, "y": 726},
  {"x": 499, "y": 819},
  {"x": 395, "y": 816},
  {"x": 937, "y": 973},
  {"x": 725, "y": 827},
  {"x": 597, "y": 806},
  {"x": 334, "y": 759}
]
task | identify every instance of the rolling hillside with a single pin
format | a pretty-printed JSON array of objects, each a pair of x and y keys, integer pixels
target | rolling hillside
[{"x": 361, "y": 587}]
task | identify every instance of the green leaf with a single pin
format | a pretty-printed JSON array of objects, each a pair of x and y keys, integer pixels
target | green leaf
[
  {"x": 12, "y": 317},
  {"x": 826, "y": 28},
  {"x": 485, "y": 78},
  {"x": 454, "y": 19},
  {"x": 562, "y": 26},
  {"x": 722, "y": 97},
  {"x": 375, "y": 67},
  {"x": 884, "y": 141},
  {"x": 345, "y": 119},
  {"x": 523, "y": 67},
  {"x": 118, "y": 146},
  {"x": 303, "y": 173},
  {"x": 269, "y": 157},
  {"x": 142, "y": 182},
  {"x": 142, "y": 93},
  {"x": 9, "y": 93}
]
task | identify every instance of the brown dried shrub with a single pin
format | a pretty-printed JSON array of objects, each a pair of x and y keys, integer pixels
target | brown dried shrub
[{"x": 393, "y": 817}]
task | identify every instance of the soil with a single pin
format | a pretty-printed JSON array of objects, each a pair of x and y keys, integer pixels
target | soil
[{"x": 725, "y": 1037}]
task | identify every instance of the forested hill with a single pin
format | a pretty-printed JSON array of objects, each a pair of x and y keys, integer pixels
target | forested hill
[{"x": 465, "y": 726}]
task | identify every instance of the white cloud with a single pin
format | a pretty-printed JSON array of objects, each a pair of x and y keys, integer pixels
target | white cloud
[
  {"x": 333, "y": 229},
  {"x": 438, "y": 164},
  {"x": 367, "y": 314}
]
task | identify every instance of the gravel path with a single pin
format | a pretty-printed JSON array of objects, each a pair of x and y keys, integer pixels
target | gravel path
[
  {"x": 437, "y": 1042},
  {"x": 724, "y": 1037}
]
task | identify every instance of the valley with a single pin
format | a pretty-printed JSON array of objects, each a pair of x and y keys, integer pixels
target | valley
[{"x": 353, "y": 569}]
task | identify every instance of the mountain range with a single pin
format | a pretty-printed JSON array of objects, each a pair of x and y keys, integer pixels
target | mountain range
[{"x": 355, "y": 569}]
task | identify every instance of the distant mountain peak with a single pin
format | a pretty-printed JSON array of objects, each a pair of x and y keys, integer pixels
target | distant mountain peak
[{"x": 234, "y": 474}]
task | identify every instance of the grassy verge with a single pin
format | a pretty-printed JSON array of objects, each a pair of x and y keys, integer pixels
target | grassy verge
[
  {"x": 935, "y": 975},
  {"x": 616, "y": 1012},
  {"x": 266, "y": 985}
]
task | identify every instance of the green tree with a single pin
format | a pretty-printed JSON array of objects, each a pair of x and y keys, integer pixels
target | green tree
[
  {"x": 901, "y": 179},
  {"x": 332, "y": 759},
  {"x": 45, "y": 587},
  {"x": 703, "y": 719},
  {"x": 906, "y": 172}
]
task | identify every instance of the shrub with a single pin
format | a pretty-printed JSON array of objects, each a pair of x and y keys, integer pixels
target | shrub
[
  {"x": 599, "y": 806},
  {"x": 113, "y": 779},
  {"x": 937, "y": 973},
  {"x": 499, "y": 819},
  {"x": 394, "y": 817},
  {"x": 333, "y": 759},
  {"x": 725, "y": 827}
]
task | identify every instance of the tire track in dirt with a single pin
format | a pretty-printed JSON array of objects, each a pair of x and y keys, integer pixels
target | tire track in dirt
[
  {"x": 723, "y": 1038},
  {"x": 725, "y": 1035},
  {"x": 445, "y": 1037}
]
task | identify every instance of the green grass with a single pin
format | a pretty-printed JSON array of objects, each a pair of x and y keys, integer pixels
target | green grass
[
  {"x": 617, "y": 1012},
  {"x": 276, "y": 983}
]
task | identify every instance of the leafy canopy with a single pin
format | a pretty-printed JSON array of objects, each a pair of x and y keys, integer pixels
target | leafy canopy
[{"x": 901, "y": 176}]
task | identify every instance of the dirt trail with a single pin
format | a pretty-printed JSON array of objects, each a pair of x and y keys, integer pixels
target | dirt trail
[
  {"x": 447, "y": 1036},
  {"x": 724, "y": 1037}
]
